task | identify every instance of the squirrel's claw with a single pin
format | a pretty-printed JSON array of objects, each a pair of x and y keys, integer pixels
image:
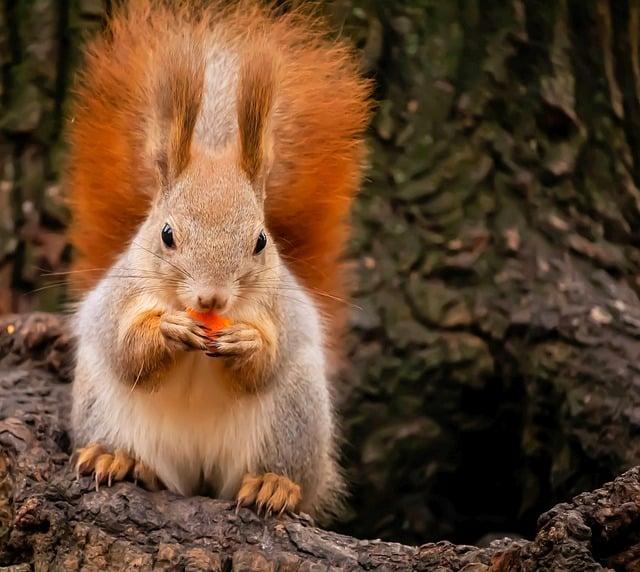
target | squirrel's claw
[
  {"x": 239, "y": 340},
  {"x": 183, "y": 332},
  {"x": 109, "y": 468},
  {"x": 101, "y": 469},
  {"x": 85, "y": 458}
]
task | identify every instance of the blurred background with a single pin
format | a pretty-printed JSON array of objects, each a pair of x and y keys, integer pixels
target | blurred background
[{"x": 493, "y": 353}]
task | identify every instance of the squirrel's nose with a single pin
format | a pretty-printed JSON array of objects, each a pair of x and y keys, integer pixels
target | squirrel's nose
[{"x": 215, "y": 300}]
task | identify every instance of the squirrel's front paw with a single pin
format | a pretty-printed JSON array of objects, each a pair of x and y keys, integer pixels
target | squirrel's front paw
[
  {"x": 183, "y": 333},
  {"x": 240, "y": 341}
]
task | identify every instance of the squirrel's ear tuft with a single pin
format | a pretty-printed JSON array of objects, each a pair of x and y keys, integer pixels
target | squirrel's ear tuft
[
  {"x": 178, "y": 93},
  {"x": 256, "y": 96}
]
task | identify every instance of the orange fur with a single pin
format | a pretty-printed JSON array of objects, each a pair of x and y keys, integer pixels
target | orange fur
[
  {"x": 271, "y": 492},
  {"x": 110, "y": 468},
  {"x": 320, "y": 112},
  {"x": 144, "y": 345},
  {"x": 250, "y": 371}
]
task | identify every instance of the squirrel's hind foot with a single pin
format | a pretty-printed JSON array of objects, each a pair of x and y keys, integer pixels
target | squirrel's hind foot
[
  {"x": 271, "y": 492},
  {"x": 113, "y": 467}
]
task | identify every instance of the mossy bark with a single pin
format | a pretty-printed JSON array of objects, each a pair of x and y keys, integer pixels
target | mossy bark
[
  {"x": 494, "y": 342},
  {"x": 494, "y": 354}
]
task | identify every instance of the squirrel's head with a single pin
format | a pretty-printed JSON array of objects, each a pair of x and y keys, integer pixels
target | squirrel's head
[{"x": 205, "y": 235}]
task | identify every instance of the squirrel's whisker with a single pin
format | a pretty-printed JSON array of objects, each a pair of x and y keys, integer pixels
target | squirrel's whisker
[{"x": 181, "y": 270}]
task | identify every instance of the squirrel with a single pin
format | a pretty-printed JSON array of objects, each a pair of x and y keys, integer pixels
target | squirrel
[{"x": 214, "y": 153}]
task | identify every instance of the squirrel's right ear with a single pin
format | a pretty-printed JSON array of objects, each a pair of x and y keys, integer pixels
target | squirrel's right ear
[
  {"x": 255, "y": 103},
  {"x": 177, "y": 97}
]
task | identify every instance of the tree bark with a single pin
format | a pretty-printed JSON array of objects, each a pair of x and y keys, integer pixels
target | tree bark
[
  {"x": 49, "y": 520},
  {"x": 495, "y": 339},
  {"x": 40, "y": 48},
  {"x": 496, "y": 346}
]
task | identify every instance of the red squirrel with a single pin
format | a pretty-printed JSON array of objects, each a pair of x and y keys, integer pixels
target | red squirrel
[{"x": 214, "y": 155}]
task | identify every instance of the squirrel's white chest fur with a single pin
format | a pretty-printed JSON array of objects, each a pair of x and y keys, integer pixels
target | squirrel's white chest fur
[{"x": 192, "y": 431}]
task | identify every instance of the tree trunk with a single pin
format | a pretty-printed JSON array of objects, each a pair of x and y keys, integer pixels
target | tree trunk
[
  {"x": 495, "y": 350},
  {"x": 51, "y": 521},
  {"x": 40, "y": 44},
  {"x": 494, "y": 347}
]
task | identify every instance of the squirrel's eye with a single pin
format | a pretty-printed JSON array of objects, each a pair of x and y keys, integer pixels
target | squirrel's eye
[
  {"x": 261, "y": 242},
  {"x": 167, "y": 236}
]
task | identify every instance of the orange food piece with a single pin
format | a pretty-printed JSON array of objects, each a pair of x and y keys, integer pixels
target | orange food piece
[{"x": 214, "y": 322}]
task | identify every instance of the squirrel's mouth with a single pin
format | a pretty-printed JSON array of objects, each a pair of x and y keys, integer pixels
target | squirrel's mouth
[{"x": 217, "y": 300}]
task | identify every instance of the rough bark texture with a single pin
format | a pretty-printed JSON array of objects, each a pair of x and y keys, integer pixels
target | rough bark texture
[
  {"x": 40, "y": 46},
  {"x": 495, "y": 357},
  {"x": 494, "y": 347},
  {"x": 51, "y": 521}
]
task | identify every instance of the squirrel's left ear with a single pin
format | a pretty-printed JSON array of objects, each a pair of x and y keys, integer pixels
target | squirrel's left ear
[
  {"x": 176, "y": 98},
  {"x": 255, "y": 104}
]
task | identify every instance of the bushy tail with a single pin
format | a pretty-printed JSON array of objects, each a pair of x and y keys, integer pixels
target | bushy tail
[{"x": 321, "y": 110}]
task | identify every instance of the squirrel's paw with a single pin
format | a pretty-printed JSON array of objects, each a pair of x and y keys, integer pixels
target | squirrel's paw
[
  {"x": 237, "y": 341},
  {"x": 182, "y": 332},
  {"x": 271, "y": 492},
  {"x": 109, "y": 468}
]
